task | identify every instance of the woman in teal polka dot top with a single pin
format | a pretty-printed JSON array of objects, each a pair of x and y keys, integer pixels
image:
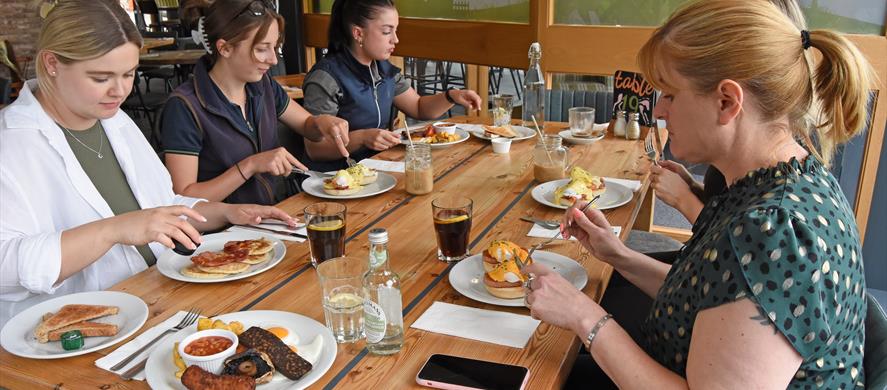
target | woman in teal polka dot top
[{"x": 770, "y": 291}]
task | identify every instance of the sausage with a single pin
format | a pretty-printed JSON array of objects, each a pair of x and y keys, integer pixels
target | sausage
[{"x": 196, "y": 378}]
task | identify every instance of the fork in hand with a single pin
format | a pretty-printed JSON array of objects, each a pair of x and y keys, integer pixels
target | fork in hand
[
  {"x": 520, "y": 264},
  {"x": 189, "y": 319},
  {"x": 649, "y": 148}
]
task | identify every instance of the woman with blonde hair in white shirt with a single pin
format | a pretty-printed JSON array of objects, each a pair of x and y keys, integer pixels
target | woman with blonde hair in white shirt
[{"x": 84, "y": 200}]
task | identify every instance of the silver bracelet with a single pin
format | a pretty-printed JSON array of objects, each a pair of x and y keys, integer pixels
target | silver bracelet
[{"x": 597, "y": 327}]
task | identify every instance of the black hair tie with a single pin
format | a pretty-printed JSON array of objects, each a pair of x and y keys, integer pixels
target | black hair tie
[{"x": 805, "y": 39}]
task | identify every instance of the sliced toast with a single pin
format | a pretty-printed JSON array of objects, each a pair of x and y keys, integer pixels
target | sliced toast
[
  {"x": 86, "y": 328},
  {"x": 71, "y": 314}
]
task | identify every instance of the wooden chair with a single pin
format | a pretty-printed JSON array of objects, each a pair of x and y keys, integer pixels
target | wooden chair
[{"x": 875, "y": 361}]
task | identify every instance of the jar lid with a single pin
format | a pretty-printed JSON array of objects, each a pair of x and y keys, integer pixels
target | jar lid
[{"x": 378, "y": 236}]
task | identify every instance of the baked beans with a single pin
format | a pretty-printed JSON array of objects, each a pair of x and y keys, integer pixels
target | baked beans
[{"x": 209, "y": 345}]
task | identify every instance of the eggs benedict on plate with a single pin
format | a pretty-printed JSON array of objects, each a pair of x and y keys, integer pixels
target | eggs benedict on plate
[
  {"x": 341, "y": 184},
  {"x": 502, "y": 276},
  {"x": 582, "y": 186}
]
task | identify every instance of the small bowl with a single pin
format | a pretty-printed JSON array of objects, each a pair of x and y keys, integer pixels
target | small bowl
[
  {"x": 210, "y": 363},
  {"x": 501, "y": 145},
  {"x": 444, "y": 127}
]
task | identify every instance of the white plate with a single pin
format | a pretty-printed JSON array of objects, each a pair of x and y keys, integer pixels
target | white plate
[
  {"x": 478, "y": 131},
  {"x": 568, "y": 136},
  {"x": 383, "y": 183},
  {"x": 467, "y": 277},
  {"x": 614, "y": 196},
  {"x": 463, "y": 136},
  {"x": 160, "y": 369},
  {"x": 18, "y": 338},
  {"x": 170, "y": 263}
]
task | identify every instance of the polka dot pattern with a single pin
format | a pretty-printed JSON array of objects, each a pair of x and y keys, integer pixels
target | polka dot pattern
[{"x": 786, "y": 238}]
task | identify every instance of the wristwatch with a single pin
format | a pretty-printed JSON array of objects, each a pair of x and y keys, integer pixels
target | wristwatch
[{"x": 447, "y": 95}]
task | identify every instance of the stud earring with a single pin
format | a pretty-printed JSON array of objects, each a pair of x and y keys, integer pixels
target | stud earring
[{"x": 53, "y": 73}]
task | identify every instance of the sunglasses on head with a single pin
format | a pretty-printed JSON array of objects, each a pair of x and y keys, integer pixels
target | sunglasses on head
[{"x": 257, "y": 8}]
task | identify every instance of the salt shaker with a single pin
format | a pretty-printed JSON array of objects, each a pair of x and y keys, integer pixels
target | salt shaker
[
  {"x": 619, "y": 127},
  {"x": 633, "y": 129}
]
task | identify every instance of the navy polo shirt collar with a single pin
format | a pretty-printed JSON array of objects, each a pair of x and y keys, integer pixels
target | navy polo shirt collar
[{"x": 213, "y": 100}]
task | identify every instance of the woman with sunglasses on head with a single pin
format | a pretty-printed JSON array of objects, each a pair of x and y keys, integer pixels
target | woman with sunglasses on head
[
  {"x": 770, "y": 291},
  {"x": 219, "y": 129},
  {"x": 84, "y": 201},
  {"x": 356, "y": 82}
]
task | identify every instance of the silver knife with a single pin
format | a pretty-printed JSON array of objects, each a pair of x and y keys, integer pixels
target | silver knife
[{"x": 293, "y": 234}]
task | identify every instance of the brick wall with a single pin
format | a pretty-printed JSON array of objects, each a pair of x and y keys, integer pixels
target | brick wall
[{"x": 20, "y": 26}]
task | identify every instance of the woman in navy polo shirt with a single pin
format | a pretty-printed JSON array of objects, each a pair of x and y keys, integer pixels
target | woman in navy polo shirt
[
  {"x": 356, "y": 82},
  {"x": 219, "y": 130}
]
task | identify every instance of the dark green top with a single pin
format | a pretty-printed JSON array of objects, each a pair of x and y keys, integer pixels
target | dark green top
[
  {"x": 105, "y": 173},
  {"x": 786, "y": 238}
]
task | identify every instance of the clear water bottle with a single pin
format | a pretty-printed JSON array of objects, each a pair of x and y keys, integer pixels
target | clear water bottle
[
  {"x": 382, "y": 303},
  {"x": 534, "y": 89}
]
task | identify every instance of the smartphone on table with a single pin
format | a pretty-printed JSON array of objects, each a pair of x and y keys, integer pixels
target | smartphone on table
[{"x": 459, "y": 373}]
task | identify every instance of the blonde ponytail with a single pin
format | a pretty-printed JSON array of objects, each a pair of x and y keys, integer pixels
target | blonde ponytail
[{"x": 841, "y": 82}]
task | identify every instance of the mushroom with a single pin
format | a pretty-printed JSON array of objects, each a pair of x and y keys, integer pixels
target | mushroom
[{"x": 250, "y": 363}]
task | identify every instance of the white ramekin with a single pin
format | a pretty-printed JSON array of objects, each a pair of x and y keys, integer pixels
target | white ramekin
[
  {"x": 501, "y": 145},
  {"x": 210, "y": 363},
  {"x": 444, "y": 127}
]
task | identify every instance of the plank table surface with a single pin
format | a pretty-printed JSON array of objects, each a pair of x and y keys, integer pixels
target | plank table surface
[
  {"x": 500, "y": 187},
  {"x": 172, "y": 57}
]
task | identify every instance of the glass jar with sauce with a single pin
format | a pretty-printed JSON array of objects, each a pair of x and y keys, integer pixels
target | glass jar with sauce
[
  {"x": 550, "y": 159},
  {"x": 419, "y": 172}
]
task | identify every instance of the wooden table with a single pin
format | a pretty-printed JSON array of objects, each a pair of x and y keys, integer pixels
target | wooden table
[
  {"x": 292, "y": 84},
  {"x": 500, "y": 186},
  {"x": 172, "y": 57},
  {"x": 151, "y": 43}
]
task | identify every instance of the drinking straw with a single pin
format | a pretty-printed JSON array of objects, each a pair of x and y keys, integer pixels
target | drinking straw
[{"x": 542, "y": 138}]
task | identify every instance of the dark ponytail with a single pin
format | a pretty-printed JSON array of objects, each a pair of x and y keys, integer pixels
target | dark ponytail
[{"x": 347, "y": 13}]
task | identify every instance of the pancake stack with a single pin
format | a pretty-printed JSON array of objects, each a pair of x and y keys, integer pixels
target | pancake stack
[{"x": 235, "y": 258}]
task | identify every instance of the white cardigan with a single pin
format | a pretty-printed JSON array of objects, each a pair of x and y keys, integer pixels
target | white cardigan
[{"x": 44, "y": 191}]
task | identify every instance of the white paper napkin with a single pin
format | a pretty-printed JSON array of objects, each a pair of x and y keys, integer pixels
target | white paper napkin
[
  {"x": 126, "y": 349},
  {"x": 274, "y": 226},
  {"x": 541, "y": 232},
  {"x": 382, "y": 165},
  {"x": 509, "y": 329},
  {"x": 633, "y": 185}
]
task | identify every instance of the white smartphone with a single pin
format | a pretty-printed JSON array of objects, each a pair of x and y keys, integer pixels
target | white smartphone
[{"x": 459, "y": 373}]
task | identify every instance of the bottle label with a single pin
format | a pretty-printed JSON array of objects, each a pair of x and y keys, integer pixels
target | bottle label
[
  {"x": 374, "y": 322},
  {"x": 391, "y": 302}
]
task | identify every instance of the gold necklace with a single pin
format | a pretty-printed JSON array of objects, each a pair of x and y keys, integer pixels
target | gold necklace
[{"x": 101, "y": 141}]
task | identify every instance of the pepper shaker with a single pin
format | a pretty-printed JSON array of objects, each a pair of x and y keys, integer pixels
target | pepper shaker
[{"x": 633, "y": 129}]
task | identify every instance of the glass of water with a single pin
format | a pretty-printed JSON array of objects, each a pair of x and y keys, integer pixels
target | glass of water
[
  {"x": 341, "y": 281},
  {"x": 581, "y": 121},
  {"x": 502, "y": 107}
]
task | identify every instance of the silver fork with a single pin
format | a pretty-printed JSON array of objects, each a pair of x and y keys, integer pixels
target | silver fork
[
  {"x": 189, "y": 319},
  {"x": 649, "y": 148},
  {"x": 520, "y": 264},
  {"x": 350, "y": 161}
]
